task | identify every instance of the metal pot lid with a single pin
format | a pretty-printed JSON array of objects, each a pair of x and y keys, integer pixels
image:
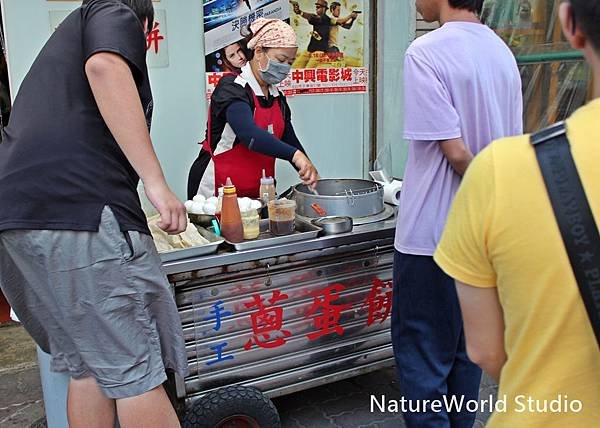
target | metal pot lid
[{"x": 342, "y": 187}]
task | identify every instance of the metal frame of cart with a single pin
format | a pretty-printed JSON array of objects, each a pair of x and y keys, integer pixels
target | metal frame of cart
[{"x": 274, "y": 321}]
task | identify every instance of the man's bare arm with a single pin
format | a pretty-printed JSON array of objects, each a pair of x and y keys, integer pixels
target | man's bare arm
[
  {"x": 349, "y": 18},
  {"x": 117, "y": 98},
  {"x": 484, "y": 327},
  {"x": 304, "y": 15},
  {"x": 457, "y": 153}
]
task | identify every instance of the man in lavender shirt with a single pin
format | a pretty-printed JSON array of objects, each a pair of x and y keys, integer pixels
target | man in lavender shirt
[{"x": 463, "y": 90}]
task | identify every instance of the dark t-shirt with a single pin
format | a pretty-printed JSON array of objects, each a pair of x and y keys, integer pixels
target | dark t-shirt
[
  {"x": 321, "y": 26},
  {"x": 59, "y": 163}
]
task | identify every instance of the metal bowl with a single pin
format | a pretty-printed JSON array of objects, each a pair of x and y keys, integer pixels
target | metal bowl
[
  {"x": 204, "y": 220},
  {"x": 334, "y": 225}
]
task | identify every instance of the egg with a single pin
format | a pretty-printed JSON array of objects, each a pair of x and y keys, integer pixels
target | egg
[
  {"x": 199, "y": 198},
  {"x": 210, "y": 209},
  {"x": 197, "y": 208}
]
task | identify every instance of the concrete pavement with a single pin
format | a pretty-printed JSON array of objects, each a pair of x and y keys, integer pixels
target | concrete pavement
[
  {"x": 344, "y": 404},
  {"x": 21, "y": 401}
]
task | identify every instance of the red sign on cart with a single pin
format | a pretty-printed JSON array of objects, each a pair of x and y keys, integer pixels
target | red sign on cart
[
  {"x": 267, "y": 322},
  {"x": 379, "y": 301},
  {"x": 328, "y": 321}
]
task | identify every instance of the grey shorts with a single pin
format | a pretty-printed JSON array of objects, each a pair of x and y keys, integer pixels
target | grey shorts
[{"x": 98, "y": 302}]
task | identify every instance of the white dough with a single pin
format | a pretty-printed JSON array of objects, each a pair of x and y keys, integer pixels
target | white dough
[
  {"x": 199, "y": 198},
  {"x": 189, "y": 205}
]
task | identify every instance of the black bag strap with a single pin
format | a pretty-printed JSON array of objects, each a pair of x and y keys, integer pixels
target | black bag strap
[{"x": 573, "y": 215}]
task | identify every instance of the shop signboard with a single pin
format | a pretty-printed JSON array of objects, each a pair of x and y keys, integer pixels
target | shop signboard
[{"x": 157, "y": 41}]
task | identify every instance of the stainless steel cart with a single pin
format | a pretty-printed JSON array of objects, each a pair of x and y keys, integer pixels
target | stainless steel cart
[{"x": 273, "y": 321}]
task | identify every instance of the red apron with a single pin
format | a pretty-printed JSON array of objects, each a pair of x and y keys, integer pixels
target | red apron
[{"x": 242, "y": 164}]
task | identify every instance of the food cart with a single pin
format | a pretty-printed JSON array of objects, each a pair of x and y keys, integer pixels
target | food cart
[{"x": 264, "y": 322}]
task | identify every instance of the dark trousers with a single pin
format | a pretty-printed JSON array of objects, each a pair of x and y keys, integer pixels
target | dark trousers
[{"x": 429, "y": 342}]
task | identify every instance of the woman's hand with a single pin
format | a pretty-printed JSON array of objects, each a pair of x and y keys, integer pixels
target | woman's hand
[{"x": 306, "y": 170}]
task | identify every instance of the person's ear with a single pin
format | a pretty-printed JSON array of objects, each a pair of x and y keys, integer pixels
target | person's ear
[{"x": 571, "y": 30}]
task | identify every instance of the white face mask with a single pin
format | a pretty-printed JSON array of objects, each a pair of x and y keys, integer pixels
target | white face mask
[{"x": 275, "y": 72}]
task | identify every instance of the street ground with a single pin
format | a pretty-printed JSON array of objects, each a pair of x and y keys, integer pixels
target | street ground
[
  {"x": 342, "y": 404},
  {"x": 346, "y": 404},
  {"x": 21, "y": 402}
]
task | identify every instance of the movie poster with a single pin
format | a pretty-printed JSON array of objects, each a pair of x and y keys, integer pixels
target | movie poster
[
  {"x": 225, "y": 24},
  {"x": 330, "y": 38},
  {"x": 330, "y": 54}
]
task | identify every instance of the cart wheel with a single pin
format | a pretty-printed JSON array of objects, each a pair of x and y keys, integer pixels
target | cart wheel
[{"x": 232, "y": 407}]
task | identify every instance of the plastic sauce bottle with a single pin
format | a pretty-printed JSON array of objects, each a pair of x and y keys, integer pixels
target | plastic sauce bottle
[
  {"x": 267, "y": 188},
  {"x": 231, "y": 219},
  {"x": 219, "y": 204}
]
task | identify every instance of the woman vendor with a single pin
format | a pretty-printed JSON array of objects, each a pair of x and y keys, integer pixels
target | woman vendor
[{"x": 249, "y": 121}]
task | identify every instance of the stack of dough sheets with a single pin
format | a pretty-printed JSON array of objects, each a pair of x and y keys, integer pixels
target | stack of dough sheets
[{"x": 165, "y": 242}]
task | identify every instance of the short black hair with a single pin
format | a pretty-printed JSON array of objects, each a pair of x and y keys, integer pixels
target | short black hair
[
  {"x": 587, "y": 17},
  {"x": 142, "y": 8},
  {"x": 334, "y": 5},
  {"x": 471, "y": 5}
]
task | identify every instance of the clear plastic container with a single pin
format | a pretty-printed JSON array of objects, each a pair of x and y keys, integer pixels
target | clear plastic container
[
  {"x": 267, "y": 189},
  {"x": 219, "y": 204},
  {"x": 282, "y": 216},
  {"x": 251, "y": 224}
]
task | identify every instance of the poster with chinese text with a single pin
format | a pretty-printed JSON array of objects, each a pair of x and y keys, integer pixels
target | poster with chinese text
[
  {"x": 225, "y": 25},
  {"x": 330, "y": 54},
  {"x": 330, "y": 38}
]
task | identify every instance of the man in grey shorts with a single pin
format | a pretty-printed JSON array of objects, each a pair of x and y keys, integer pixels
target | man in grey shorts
[{"x": 77, "y": 262}]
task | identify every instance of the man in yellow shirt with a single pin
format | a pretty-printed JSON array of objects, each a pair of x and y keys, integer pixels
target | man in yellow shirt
[{"x": 524, "y": 318}]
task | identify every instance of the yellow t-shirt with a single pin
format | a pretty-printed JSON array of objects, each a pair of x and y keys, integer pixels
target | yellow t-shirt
[{"x": 501, "y": 232}]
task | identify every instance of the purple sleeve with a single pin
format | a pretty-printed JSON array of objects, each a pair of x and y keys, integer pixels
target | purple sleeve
[{"x": 429, "y": 114}]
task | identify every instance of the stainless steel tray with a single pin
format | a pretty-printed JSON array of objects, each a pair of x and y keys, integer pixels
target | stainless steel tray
[
  {"x": 200, "y": 250},
  {"x": 304, "y": 231}
]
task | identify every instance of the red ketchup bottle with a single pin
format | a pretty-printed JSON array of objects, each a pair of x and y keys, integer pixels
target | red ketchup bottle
[{"x": 231, "y": 219}]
